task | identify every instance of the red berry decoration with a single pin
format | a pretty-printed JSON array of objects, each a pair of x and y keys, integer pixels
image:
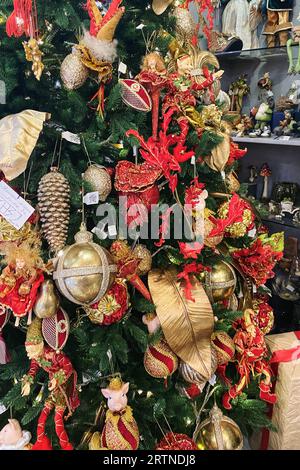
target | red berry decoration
[{"x": 175, "y": 441}]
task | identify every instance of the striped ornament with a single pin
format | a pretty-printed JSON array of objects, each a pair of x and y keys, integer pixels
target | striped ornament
[
  {"x": 160, "y": 361},
  {"x": 224, "y": 346}
]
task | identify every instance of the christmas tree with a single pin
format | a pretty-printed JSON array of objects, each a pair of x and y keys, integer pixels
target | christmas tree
[{"x": 141, "y": 125}]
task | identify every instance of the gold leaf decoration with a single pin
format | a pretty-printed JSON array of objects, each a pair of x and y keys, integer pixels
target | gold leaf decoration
[{"x": 187, "y": 325}]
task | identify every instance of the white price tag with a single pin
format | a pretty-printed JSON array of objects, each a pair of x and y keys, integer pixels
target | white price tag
[
  {"x": 70, "y": 137},
  {"x": 193, "y": 160},
  {"x": 122, "y": 68},
  {"x": 254, "y": 289},
  {"x": 91, "y": 198},
  {"x": 2, "y": 409},
  {"x": 290, "y": 288},
  {"x": 252, "y": 233},
  {"x": 196, "y": 72},
  {"x": 100, "y": 232},
  {"x": 285, "y": 137},
  {"x": 223, "y": 175},
  {"x": 112, "y": 230},
  {"x": 213, "y": 380},
  {"x": 140, "y": 26},
  {"x": 13, "y": 207}
]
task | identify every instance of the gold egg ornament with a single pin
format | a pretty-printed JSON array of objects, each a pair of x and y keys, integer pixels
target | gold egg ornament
[
  {"x": 99, "y": 179},
  {"x": 47, "y": 302},
  {"x": 73, "y": 72},
  {"x": 220, "y": 282},
  {"x": 218, "y": 432},
  {"x": 84, "y": 271},
  {"x": 144, "y": 255}
]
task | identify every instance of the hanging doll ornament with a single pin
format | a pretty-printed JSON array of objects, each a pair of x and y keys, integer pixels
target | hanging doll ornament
[
  {"x": 120, "y": 431},
  {"x": 23, "y": 20},
  {"x": 97, "y": 48},
  {"x": 154, "y": 78},
  {"x": 62, "y": 386},
  {"x": 21, "y": 278}
]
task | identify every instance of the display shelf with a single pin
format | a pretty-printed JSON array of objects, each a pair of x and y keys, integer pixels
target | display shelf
[
  {"x": 262, "y": 53},
  {"x": 267, "y": 141},
  {"x": 283, "y": 222}
]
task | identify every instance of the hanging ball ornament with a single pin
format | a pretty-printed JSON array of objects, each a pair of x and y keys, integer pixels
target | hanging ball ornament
[
  {"x": 220, "y": 282},
  {"x": 47, "y": 302},
  {"x": 84, "y": 271},
  {"x": 218, "y": 432},
  {"x": 224, "y": 346},
  {"x": 192, "y": 376},
  {"x": 99, "y": 180},
  {"x": 73, "y": 72},
  {"x": 160, "y": 361},
  {"x": 144, "y": 255},
  {"x": 175, "y": 441}
]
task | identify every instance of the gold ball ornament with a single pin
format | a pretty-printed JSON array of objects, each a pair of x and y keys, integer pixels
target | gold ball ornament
[
  {"x": 47, "y": 302},
  {"x": 84, "y": 271},
  {"x": 99, "y": 180},
  {"x": 73, "y": 72},
  {"x": 218, "y": 432},
  {"x": 145, "y": 264},
  {"x": 220, "y": 282}
]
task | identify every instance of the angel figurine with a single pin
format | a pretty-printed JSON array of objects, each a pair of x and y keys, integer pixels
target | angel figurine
[
  {"x": 154, "y": 77},
  {"x": 21, "y": 278}
]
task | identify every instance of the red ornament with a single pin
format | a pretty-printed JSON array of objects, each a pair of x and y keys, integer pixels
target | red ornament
[
  {"x": 175, "y": 441},
  {"x": 4, "y": 317},
  {"x": 112, "y": 307},
  {"x": 56, "y": 330},
  {"x": 224, "y": 347},
  {"x": 23, "y": 19},
  {"x": 135, "y": 95}
]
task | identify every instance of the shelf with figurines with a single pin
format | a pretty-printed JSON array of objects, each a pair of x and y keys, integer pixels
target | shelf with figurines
[{"x": 272, "y": 120}]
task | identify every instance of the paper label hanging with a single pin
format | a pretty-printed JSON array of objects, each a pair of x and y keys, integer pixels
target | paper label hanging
[{"x": 13, "y": 207}]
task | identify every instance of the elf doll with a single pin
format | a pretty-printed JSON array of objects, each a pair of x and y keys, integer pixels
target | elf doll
[
  {"x": 278, "y": 14},
  {"x": 62, "y": 386}
]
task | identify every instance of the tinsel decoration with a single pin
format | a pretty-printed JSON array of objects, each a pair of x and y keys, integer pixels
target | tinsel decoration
[{"x": 54, "y": 207}]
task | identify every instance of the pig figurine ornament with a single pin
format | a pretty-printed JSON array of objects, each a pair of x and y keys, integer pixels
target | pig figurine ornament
[
  {"x": 13, "y": 438},
  {"x": 120, "y": 431}
]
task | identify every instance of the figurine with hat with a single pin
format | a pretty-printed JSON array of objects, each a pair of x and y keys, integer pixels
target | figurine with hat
[{"x": 63, "y": 394}]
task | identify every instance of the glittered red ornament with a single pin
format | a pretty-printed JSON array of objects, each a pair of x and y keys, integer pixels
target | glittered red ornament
[
  {"x": 175, "y": 441},
  {"x": 56, "y": 330}
]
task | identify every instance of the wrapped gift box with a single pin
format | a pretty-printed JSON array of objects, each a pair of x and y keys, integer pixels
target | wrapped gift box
[{"x": 285, "y": 349}]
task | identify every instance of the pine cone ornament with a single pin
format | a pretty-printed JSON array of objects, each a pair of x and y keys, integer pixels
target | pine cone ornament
[{"x": 54, "y": 207}]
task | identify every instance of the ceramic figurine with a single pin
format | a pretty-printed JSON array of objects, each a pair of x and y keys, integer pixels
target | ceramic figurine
[
  {"x": 241, "y": 18},
  {"x": 263, "y": 114},
  {"x": 286, "y": 127},
  {"x": 293, "y": 41},
  {"x": 278, "y": 22}
]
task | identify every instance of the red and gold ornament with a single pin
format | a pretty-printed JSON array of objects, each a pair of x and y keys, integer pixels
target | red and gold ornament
[
  {"x": 176, "y": 441},
  {"x": 236, "y": 217},
  {"x": 224, "y": 346},
  {"x": 264, "y": 315},
  {"x": 56, "y": 330},
  {"x": 112, "y": 307},
  {"x": 135, "y": 95}
]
